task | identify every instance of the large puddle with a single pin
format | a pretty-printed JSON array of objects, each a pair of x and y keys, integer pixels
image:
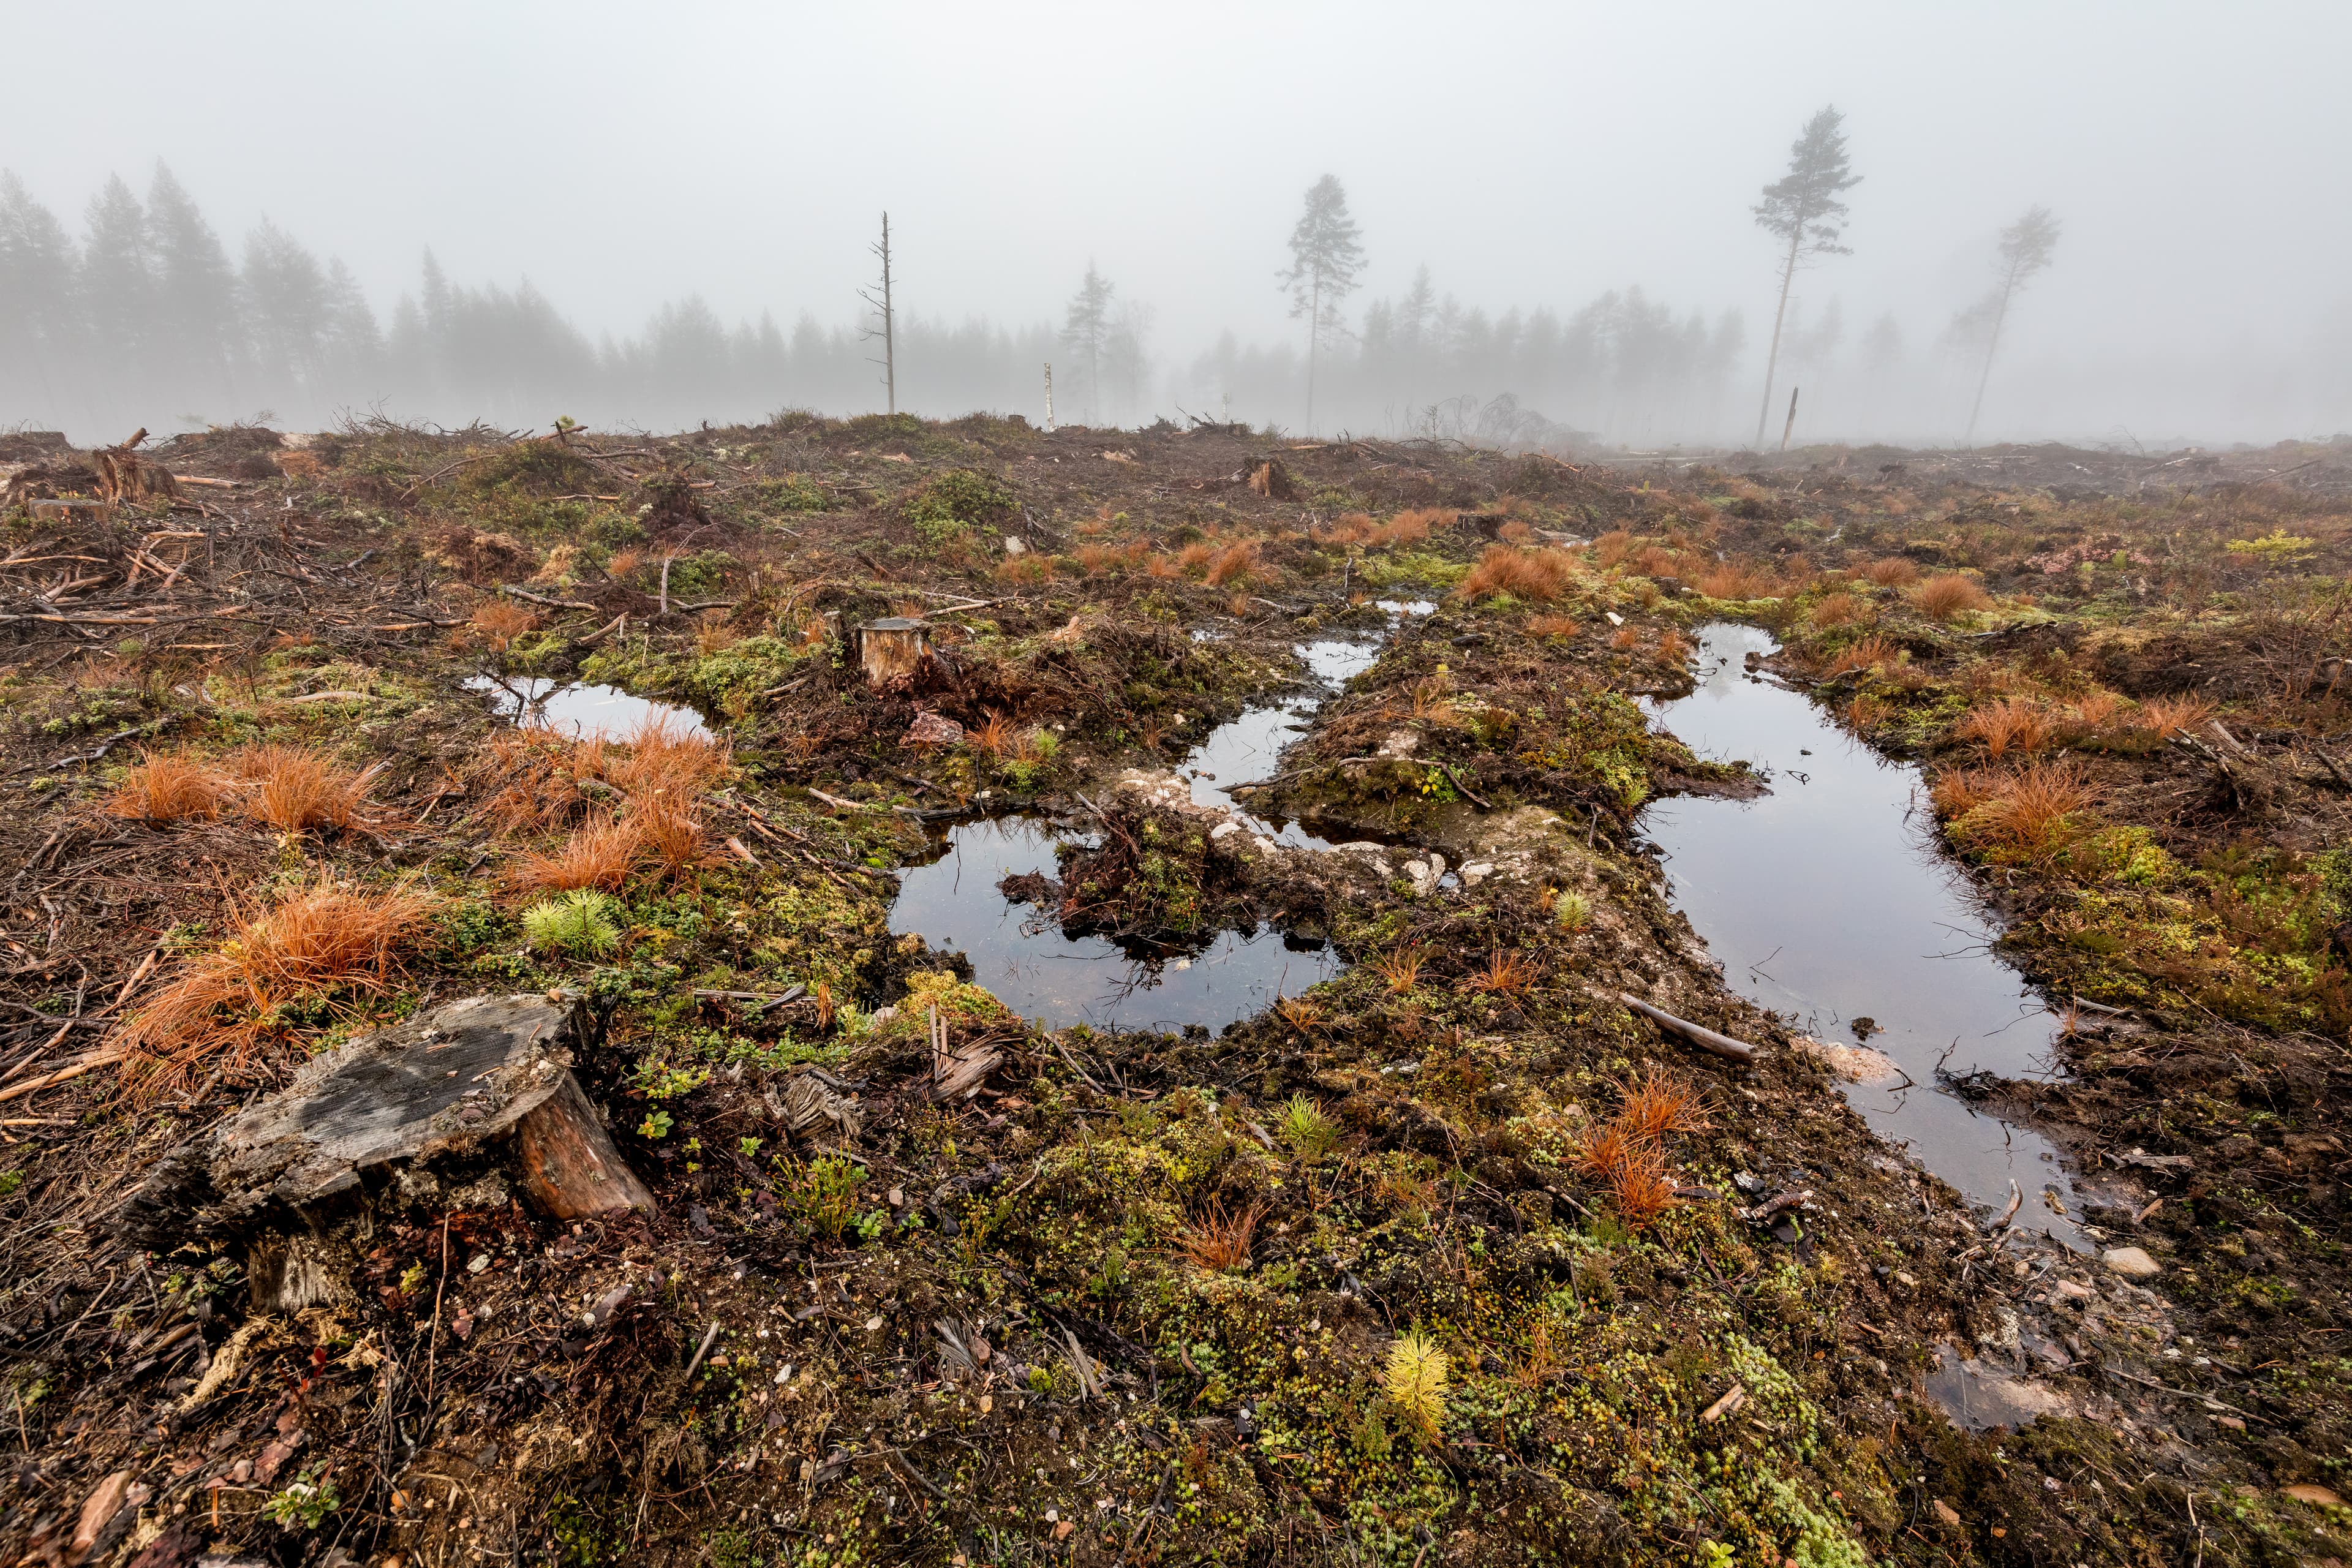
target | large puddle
[
  {"x": 1024, "y": 958},
  {"x": 583, "y": 712},
  {"x": 1829, "y": 900}
]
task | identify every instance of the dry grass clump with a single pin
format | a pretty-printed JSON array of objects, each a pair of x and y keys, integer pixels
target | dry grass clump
[
  {"x": 1864, "y": 713},
  {"x": 1542, "y": 576},
  {"x": 314, "y": 943},
  {"x": 495, "y": 624},
  {"x": 1553, "y": 626},
  {"x": 1627, "y": 1153},
  {"x": 1892, "y": 571},
  {"x": 1219, "y": 1240},
  {"x": 2164, "y": 717},
  {"x": 2028, "y": 815},
  {"x": 168, "y": 788},
  {"x": 599, "y": 854},
  {"x": 1657, "y": 561},
  {"x": 2012, "y": 723},
  {"x": 1940, "y": 598},
  {"x": 669, "y": 838},
  {"x": 1673, "y": 647},
  {"x": 1625, "y": 638},
  {"x": 1609, "y": 549},
  {"x": 542, "y": 776},
  {"x": 1400, "y": 970},
  {"x": 1410, "y": 526},
  {"x": 1236, "y": 562},
  {"x": 1738, "y": 580},
  {"x": 1870, "y": 653},
  {"x": 1101, "y": 560},
  {"x": 2096, "y": 709},
  {"x": 295, "y": 789},
  {"x": 1838, "y": 609},
  {"x": 662, "y": 757},
  {"x": 1506, "y": 975}
]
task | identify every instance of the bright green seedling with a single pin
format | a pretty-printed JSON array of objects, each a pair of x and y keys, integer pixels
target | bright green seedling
[
  {"x": 1414, "y": 1381},
  {"x": 580, "y": 922},
  {"x": 1305, "y": 1128}
]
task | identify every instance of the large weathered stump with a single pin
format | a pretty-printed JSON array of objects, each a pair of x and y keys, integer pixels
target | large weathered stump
[
  {"x": 892, "y": 650},
  {"x": 457, "y": 1106}
]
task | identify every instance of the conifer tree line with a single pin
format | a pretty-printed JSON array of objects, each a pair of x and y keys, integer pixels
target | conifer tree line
[{"x": 146, "y": 316}]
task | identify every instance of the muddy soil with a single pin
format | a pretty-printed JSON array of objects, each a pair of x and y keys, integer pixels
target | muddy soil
[{"x": 1449, "y": 1258}]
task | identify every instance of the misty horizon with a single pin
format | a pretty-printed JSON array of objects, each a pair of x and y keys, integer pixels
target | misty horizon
[{"x": 1600, "y": 312}]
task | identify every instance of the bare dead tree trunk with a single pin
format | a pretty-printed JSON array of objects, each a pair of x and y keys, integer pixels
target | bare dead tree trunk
[
  {"x": 1790, "y": 428},
  {"x": 888, "y": 334}
]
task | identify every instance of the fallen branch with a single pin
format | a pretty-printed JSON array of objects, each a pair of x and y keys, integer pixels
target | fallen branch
[
  {"x": 1467, "y": 793},
  {"x": 1698, "y": 1034},
  {"x": 543, "y": 599}
]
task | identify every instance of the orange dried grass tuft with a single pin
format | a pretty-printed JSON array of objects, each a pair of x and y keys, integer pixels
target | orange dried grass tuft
[
  {"x": 2032, "y": 813},
  {"x": 314, "y": 943},
  {"x": 1625, "y": 638},
  {"x": 672, "y": 841},
  {"x": 1235, "y": 563},
  {"x": 1401, "y": 970},
  {"x": 1738, "y": 580},
  {"x": 1942, "y": 597},
  {"x": 1553, "y": 626},
  {"x": 1506, "y": 975},
  {"x": 2166, "y": 717},
  {"x": 1661, "y": 1104},
  {"x": 1219, "y": 1240},
  {"x": 1542, "y": 576},
  {"x": 1867, "y": 653},
  {"x": 168, "y": 788},
  {"x": 666, "y": 757},
  {"x": 496, "y": 623},
  {"x": 1610, "y": 548},
  {"x": 599, "y": 854},
  {"x": 294, "y": 789},
  {"x": 1892, "y": 571},
  {"x": 2012, "y": 722},
  {"x": 1672, "y": 647},
  {"x": 1837, "y": 609}
]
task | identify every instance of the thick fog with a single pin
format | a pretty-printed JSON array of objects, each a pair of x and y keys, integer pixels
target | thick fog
[{"x": 663, "y": 215}]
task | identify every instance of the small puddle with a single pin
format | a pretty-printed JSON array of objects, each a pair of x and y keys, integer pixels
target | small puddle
[
  {"x": 1981, "y": 1398},
  {"x": 1024, "y": 958},
  {"x": 1829, "y": 900},
  {"x": 583, "y": 712}
]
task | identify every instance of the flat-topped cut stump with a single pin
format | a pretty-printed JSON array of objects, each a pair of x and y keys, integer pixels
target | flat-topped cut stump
[
  {"x": 891, "y": 651},
  {"x": 478, "y": 1091}
]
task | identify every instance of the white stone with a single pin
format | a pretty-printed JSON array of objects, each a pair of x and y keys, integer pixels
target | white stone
[
  {"x": 1014, "y": 547},
  {"x": 2130, "y": 1262},
  {"x": 1223, "y": 831},
  {"x": 1476, "y": 872}
]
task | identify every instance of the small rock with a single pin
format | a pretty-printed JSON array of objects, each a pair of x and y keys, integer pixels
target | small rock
[
  {"x": 1947, "y": 1513},
  {"x": 1014, "y": 547},
  {"x": 1223, "y": 830},
  {"x": 2078, "y": 1292},
  {"x": 930, "y": 730},
  {"x": 2131, "y": 1262},
  {"x": 2317, "y": 1496},
  {"x": 1476, "y": 872}
]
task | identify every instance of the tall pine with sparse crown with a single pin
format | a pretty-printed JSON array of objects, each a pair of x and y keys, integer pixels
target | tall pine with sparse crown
[
  {"x": 1803, "y": 210},
  {"x": 1326, "y": 255}
]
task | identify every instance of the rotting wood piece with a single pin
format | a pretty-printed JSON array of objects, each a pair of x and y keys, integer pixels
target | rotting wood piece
[
  {"x": 443, "y": 1110},
  {"x": 1698, "y": 1034},
  {"x": 892, "y": 650}
]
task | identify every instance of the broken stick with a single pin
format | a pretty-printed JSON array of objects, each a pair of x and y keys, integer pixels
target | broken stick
[{"x": 1698, "y": 1034}]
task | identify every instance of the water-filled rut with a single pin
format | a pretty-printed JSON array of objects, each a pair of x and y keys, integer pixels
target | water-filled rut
[{"x": 1828, "y": 900}]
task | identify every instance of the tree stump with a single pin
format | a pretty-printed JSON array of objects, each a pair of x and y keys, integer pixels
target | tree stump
[
  {"x": 455, "y": 1108},
  {"x": 892, "y": 650}
]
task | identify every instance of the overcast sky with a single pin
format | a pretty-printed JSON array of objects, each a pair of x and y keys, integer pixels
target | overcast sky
[{"x": 622, "y": 155}]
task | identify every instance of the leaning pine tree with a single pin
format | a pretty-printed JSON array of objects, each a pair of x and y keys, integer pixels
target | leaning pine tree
[
  {"x": 1325, "y": 256},
  {"x": 1801, "y": 208},
  {"x": 2025, "y": 249}
]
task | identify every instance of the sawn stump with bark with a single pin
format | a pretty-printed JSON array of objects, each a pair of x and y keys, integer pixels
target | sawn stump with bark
[{"x": 457, "y": 1108}]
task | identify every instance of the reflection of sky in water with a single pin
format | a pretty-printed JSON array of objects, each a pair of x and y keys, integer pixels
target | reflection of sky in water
[
  {"x": 584, "y": 712},
  {"x": 1827, "y": 900},
  {"x": 1020, "y": 954},
  {"x": 1057, "y": 981}
]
